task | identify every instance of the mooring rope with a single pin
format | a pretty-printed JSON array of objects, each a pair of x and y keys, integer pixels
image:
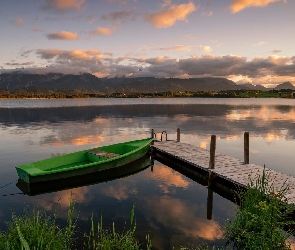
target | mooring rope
[
  {"x": 9, "y": 183},
  {"x": 13, "y": 194}
]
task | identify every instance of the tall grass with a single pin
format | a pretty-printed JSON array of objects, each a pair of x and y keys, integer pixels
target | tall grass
[
  {"x": 109, "y": 239},
  {"x": 261, "y": 218},
  {"x": 38, "y": 231}
]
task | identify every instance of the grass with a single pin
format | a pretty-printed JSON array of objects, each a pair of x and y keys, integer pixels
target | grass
[
  {"x": 261, "y": 219},
  {"x": 109, "y": 239},
  {"x": 38, "y": 231}
]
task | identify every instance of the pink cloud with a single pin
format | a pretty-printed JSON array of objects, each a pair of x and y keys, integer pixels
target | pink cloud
[
  {"x": 239, "y": 5},
  {"x": 18, "y": 22},
  {"x": 102, "y": 31},
  {"x": 169, "y": 17},
  {"x": 63, "y": 4},
  {"x": 63, "y": 35}
]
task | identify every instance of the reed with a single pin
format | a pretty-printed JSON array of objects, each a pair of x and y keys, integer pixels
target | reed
[
  {"x": 37, "y": 230},
  {"x": 109, "y": 239},
  {"x": 261, "y": 217}
]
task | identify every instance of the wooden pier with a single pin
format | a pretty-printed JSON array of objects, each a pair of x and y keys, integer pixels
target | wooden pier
[{"x": 217, "y": 171}]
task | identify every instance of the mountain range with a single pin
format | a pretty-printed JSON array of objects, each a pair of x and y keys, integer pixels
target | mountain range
[{"x": 54, "y": 81}]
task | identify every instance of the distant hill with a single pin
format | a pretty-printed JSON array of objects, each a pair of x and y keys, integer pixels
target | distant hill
[
  {"x": 285, "y": 85},
  {"x": 253, "y": 87},
  {"x": 53, "y": 81},
  {"x": 176, "y": 84}
]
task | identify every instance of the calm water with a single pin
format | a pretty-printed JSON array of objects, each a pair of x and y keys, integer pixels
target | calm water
[{"x": 169, "y": 206}]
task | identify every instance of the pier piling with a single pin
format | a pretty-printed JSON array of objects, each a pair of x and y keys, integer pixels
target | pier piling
[
  {"x": 246, "y": 147},
  {"x": 178, "y": 135}
]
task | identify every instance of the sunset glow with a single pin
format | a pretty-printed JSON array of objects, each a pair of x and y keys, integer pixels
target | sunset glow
[{"x": 165, "y": 38}]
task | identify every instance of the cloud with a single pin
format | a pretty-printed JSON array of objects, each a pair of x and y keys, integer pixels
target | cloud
[
  {"x": 154, "y": 61},
  {"x": 168, "y": 177},
  {"x": 276, "y": 51},
  {"x": 18, "y": 22},
  {"x": 37, "y": 29},
  {"x": 65, "y": 55},
  {"x": 168, "y": 18},
  {"x": 122, "y": 2},
  {"x": 19, "y": 64},
  {"x": 119, "y": 16},
  {"x": 260, "y": 43},
  {"x": 177, "y": 47},
  {"x": 206, "y": 48},
  {"x": 91, "y": 19},
  {"x": 63, "y": 4},
  {"x": 236, "y": 65},
  {"x": 210, "y": 13},
  {"x": 120, "y": 191},
  {"x": 102, "y": 31},
  {"x": 239, "y": 5},
  {"x": 63, "y": 35},
  {"x": 166, "y": 3},
  {"x": 26, "y": 53},
  {"x": 104, "y": 64},
  {"x": 48, "y": 53},
  {"x": 186, "y": 220}
]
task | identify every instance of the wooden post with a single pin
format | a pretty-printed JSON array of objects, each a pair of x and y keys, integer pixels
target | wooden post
[
  {"x": 246, "y": 147},
  {"x": 178, "y": 135},
  {"x": 212, "y": 152},
  {"x": 152, "y": 133},
  {"x": 209, "y": 204}
]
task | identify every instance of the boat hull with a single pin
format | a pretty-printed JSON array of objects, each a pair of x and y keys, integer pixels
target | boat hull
[
  {"x": 83, "y": 162},
  {"x": 38, "y": 188}
]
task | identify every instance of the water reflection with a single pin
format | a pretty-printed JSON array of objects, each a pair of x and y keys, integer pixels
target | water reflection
[{"x": 169, "y": 205}]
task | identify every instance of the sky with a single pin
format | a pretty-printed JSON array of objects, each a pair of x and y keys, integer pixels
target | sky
[{"x": 242, "y": 40}]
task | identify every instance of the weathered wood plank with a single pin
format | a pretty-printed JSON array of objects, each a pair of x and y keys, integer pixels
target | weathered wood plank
[{"x": 226, "y": 167}]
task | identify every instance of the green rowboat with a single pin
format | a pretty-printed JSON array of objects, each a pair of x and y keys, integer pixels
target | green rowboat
[
  {"x": 86, "y": 179},
  {"x": 84, "y": 162}
]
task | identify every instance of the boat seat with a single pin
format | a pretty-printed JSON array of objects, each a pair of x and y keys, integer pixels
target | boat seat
[{"x": 103, "y": 153}]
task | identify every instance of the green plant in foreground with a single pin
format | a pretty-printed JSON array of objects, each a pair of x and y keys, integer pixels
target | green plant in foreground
[
  {"x": 260, "y": 219},
  {"x": 37, "y": 231},
  {"x": 109, "y": 239}
]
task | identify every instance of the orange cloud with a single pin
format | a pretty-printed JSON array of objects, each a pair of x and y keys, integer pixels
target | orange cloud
[
  {"x": 206, "y": 49},
  {"x": 177, "y": 47},
  {"x": 171, "y": 212},
  {"x": 168, "y": 176},
  {"x": 239, "y": 5},
  {"x": 18, "y": 22},
  {"x": 62, "y": 198},
  {"x": 84, "y": 140},
  {"x": 102, "y": 31},
  {"x": 168, "y": 18},
  {"x": 262, "y": 115},
  {"x": 63, "y": 35},
  {"x": 64, "y": 55},
  {"x": 120, "y": 192},
  {"x": 64, "y": 4}
]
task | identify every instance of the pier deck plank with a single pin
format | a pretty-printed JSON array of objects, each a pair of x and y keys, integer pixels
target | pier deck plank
[{"x": 226, "y": 167}]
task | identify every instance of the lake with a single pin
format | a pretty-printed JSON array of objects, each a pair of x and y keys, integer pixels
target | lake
[{"x": 169, "y": 206}]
